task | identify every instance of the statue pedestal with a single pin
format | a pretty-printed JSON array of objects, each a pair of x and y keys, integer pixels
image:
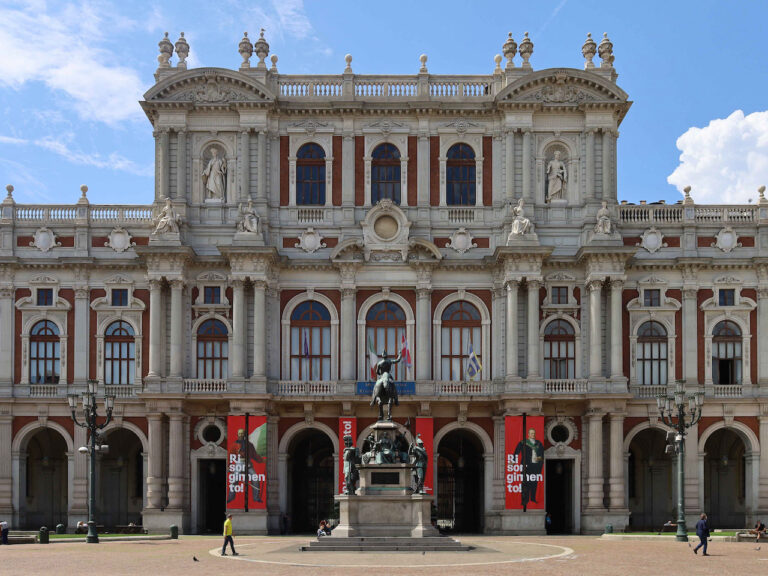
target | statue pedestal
[
  {"x": 385, "y": 514},
  {"x": 248, "y": 238}
]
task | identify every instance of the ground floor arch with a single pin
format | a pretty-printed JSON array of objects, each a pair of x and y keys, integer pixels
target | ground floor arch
[
  {"x": 650, "y": 480},
  {"x": 460, "y": 494},
  {"x": 725, "y": 479},
  {"x": 121, "y": 474}
]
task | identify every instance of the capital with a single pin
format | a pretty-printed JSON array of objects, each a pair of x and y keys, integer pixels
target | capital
[
  {"x": 348, "y": 293},
  {"x": 594, "y": 285}
]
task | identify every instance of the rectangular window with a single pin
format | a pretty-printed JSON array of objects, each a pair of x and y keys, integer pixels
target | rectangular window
[
  {"x": 559, "y": 295},
  {"x": 727, "y": 297},
  {"x": 212, "y": 295},
  {"x": 45, "y": 296},
  {"x": 652, "y": 297},
  {"x": 119, "y": 297}
]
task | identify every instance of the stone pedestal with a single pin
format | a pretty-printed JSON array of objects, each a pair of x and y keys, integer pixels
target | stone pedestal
[
  {"x": 156, "y": 520},
  {"x": 385, "y": 514},
  {"x": 519, "y": 522}
]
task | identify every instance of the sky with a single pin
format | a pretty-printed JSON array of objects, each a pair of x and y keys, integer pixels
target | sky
[{"x": 72, "y": 73}]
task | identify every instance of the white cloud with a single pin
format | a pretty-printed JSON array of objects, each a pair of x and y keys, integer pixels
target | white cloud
[
  {"x": 62, "y": 147},
  {"x": 726, "y": 161},
  {"x": 64, "y": 46},
  {"x": 11, "y": 140}
]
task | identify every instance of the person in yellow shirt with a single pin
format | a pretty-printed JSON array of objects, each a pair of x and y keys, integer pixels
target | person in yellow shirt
[{"x": 228, "y": 537}]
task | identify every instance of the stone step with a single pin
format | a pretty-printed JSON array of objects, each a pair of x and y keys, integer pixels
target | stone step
[{"x": 382, "y": 544}]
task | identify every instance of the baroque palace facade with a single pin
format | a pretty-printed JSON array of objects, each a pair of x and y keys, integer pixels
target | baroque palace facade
[{"x": 300, "y": 222}]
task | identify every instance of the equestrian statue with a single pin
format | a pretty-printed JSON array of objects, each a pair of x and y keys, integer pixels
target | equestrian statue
[{"x": 385, "y": 391}]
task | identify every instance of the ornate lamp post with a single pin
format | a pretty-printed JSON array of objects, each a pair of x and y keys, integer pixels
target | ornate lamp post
[
  {"x": 90, "y": 416},
  {"x": 674, "y": 414}
]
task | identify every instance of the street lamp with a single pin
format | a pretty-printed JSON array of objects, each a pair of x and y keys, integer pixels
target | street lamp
[
  {"x": 90, "y": 416},
  {"x": 674, "y": 407}
]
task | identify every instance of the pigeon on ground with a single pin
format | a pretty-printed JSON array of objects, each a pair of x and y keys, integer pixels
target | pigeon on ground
[
  {"x": 195, "y": 559},
  {"x": 689, "y": 544},
  {"x": 758, "y": 548}
]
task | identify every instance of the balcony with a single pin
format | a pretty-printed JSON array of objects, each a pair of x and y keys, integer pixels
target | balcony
[
  {"x": 204, "y": 386},
  {"x": 566, "y": 386},
  {"x": 648, "y": 391},
  {"x": 463, "y": 388},
  {"x": 300, "y": 388}
]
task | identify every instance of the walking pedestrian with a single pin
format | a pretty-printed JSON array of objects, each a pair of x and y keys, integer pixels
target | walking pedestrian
[
  {"x": 702, "y": 531},
  {"x": 4, "y": 531},
  {"x": 228, "y": 537}
]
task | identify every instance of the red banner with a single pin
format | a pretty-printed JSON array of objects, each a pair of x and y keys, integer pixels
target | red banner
[
  {"x": 425, "y": 426},
  {"x": 524, "y": 471},
  {"x": 347, "y": 427},
  {"x": 247, "y": 462}
]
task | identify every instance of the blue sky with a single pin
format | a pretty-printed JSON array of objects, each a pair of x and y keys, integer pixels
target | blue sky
[{"x": 71, "y": 74}]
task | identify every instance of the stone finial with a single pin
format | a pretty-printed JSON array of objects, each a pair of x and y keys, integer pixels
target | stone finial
[
  {"x": 588, "y": 50},
  {"x": 510, "y": 49},
  {"x": 166, "y": 51},
  {"x": 423, "y": 60},
  {"x": 273, "y": 59},
  {"x": 9, "y": 188},
  {"x": 761, "y": 193},
  {"x": 182, "y": 51},
  {"x": 245, "y": 48},
  {"x": 497, "y": 59},
  {"x": 606, "y": 52},
  {"x": 83, "y": 198},
  {"x": 348, "y": 60},
  {"x": 262, "y": 51},
  {"x": 526, "y": 49},
  {"x": 687, "y": 199}
]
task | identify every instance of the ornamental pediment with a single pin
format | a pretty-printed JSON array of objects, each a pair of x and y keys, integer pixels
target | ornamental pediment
[
  {"x": 209, "y": 86},
  {"x": 564, "y": 86}
]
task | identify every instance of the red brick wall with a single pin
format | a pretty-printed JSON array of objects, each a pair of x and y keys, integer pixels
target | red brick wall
[
  {"x": 434, "y": 171},
  {"x": 359, "y": 170},
  {"x": 413, "y": 170},
  {"x": 487, "y": 171},
  {"x": 284, "y": 186},
  {"x": 337, "y": 165}
]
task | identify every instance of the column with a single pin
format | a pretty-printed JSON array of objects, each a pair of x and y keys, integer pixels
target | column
[
  {"x": 690, "y": 336},
  {"x": 261, "y": 169},
  {"x": 499, "y": 462},
  {"x": 762, "y": 492},
  {"x": 498, "y": 350},
  {"x": 422, "y": 161},
  {"x": 181, "y": 164},
  {"x": 607, "y": 164},
  {"x": 6, "y": 336},
  {"x": 245, "y": 165},
  {"x": 595, "y": 476},
  {"x": 155, "y": 327},
  {"x": 526, "y": 168},
  {"x": 162, "y": 163},
  {"x": 348, "y": 328},
  {"x": 617, "y": 490},
  {"x": 177, "y": 332},
  {"x": 590, "y": 179},
  {"x": 423, "y": 334},
  {"x": 348, "y": 170},
  {"x": 155, "y": 464},
  {"x": 79, "y": 502},
  {"x": 511, "y": 327},
  {"x": 595, "y": 339},
  {"x": 762, "y": 335},
  {"x": 692, "y": 505},
  {"x": 259, "y": 329},
  {"x": 238, "y": 329},
  {"x": 616, "y": 341},
  {"x": 509, "y": 168},
  {"x": 81, "y": 334},
  {"x": 6, "y": 462},
  {"x": 533, "y": 328},
  {"x": 176, "y": 451}
]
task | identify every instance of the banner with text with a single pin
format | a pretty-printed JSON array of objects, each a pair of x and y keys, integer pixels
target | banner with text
[
  {"x": 347, "y": 427},
  {"x": 524, "y": 467},
  {"x": 247, "y": 462},
  {"x": 426, "y": 427}
]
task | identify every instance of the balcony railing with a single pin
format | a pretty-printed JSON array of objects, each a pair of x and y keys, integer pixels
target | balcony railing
[
  {"x": 122, "y": 391},
  {"x": 727, "y": 391},
  {"x": 204, "y": 386},
  {"x": 302, "y": 388},
  {"x": 648, "y": 391},
  {"x": 649, "y": 214},
  {"x": 566, "y": 386},
  {"x": 45, "y": 390},
  {"x": 98, "y": 214},
  {"x": 461, "y": 388}
]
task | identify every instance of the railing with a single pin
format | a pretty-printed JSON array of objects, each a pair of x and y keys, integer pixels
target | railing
[
  {"x": 727, "y": 391},
  {"x": 567, "y": 386},
  {"x": 309, "y": 388},
  {"x": 675, "y": 214},
  {"x": 130, "y": 214},
  {"x": 200, "y": 386},
  {"x": 385, "y": 88},
  {"x": 96, "y": 213},
  {"x": 459, "y": 88},
  {"x": 44, "y": 390},
  {"x": 317, "y": 87},
  {"x": 647, "y": 391},
  {"x": 645, "y": 214},
  {"x": 309, "y": 215},
  {"x": 463, "y": 388},
  {"x": 121, "y": 391},
  {"x": 726, "y": 214},
  {"x": 461, "y": 215}
]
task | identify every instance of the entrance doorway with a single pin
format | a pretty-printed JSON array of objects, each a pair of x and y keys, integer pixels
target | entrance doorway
[
  {"x": 725, "y": 480},
  {"x": 44, "y": 484},
  {"x": 650, "y": 483},
  {"x": 460, "y": 499},
  {"x": 121, "y": 480},
  {"x": 213, "y": 495},
  {"x": 559, "y": 495},
  {"x": 310, "y": 481}
]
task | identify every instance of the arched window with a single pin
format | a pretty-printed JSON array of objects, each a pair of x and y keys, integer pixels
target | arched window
[
  {"x": 559, "y": 350},
  {"x": 385, "y": 173},
  {"x": 652, "y": 354},
  {"x": 310, "y": 342},
  {"x": 385, "y": 328},
  {"x": 726, "y": 353},
  {"x": 119, "y": 353},
  {"x": 460, "y": 327},
  {"x": 310, "y": 175},
  {"x": 44, "y": 355},
  {"x": 460, "y": 176},
  {"x": 212, "y": 350}
]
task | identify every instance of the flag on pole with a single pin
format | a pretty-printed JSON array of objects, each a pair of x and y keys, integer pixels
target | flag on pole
[
  {"x": 473, "y": 364},
  {"x": 373, "y": 359},
  {"x": 306, "y": 345},
  {"x": 405, "y": 353}
]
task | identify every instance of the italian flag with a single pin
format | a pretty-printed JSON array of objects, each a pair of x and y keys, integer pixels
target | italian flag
[{"x": 373, "y": 359}]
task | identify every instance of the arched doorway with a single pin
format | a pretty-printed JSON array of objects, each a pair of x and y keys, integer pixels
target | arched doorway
[
  {"x": 725, "y": 479},
  {"x": 650, "y": 482},
  {"x": 120, "y": 475},
  {"x": 310, "y": 480},
  {"x": 460, "y": 491},
  {"x": 44, "y": 487}
]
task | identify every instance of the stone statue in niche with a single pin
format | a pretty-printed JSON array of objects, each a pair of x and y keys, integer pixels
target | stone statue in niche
[
  {"x": 249, "y": 220},
  {"x": 168, "y": 220},
  {"x": 215, "y": 176},
  {"x": 557, "y": 178},
  {"x": 520, "y": 225},
  {"x": 604, "y": 224}
]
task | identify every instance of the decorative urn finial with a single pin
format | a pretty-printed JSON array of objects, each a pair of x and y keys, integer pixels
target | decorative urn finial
[
  {"x": 687, "y": 199},
  {"x": 526, "y": 49},
  {"x": 588, "y": 50},
  {"x": 245, "y": 48},
  {"x": 348, "y": 60},
  {"x": 606, "y": 52},
  {"x": 761, "y": 193},
  {"x": 261, "y": 47},
  {"x": 9, "y": 188},
  {"x": 423, "y": 60},
  {"x": 166, "y": 51},
  {"x": 182, "y": 51},
  {"x": 497, "y": 60},
  {"x": 273, "y": 59},
  {"x": 510, "y": 49}
]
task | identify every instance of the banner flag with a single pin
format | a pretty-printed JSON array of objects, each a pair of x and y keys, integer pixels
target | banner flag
[
  {"x": 473, "y": 363},
  {"x": 347, "y": 427},
  {"x": 426, "y": 427},
  {"x": 247, "y": 462},
  {"x": 524, "y": 466},
  {"x": 373, "y": 361}
]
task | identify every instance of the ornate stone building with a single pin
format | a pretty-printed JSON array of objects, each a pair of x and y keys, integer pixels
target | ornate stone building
[{"x": 301, "y": 221}]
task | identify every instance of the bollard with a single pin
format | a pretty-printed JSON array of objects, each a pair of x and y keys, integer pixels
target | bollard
[
  {"x": 61, "y": 529},
  {"x": 174, "y": 532},
  {"x": 609, "y": 529},
  {"x": 43, "y": 535}
]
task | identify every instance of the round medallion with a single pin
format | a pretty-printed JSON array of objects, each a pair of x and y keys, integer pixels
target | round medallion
[{"x": 386, "y": 227}]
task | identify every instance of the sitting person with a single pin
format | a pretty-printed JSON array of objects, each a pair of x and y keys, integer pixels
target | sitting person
[
  {"x": 327, "y": 527},
  {"x": 321, "y": 530},
  {"x": 758, "y": 531}
]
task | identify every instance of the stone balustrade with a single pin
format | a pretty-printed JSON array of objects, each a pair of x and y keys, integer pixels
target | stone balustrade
[
  {"x": 566, "y": 386},
  {"x": 661, "y": 214},
  {"x": 95, "y": 213},
  {"x": 204, "y": 386},
  {"x": 303, "y": 388}
]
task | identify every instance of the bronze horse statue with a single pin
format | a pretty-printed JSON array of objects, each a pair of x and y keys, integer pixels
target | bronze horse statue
[{"x": 385, "y": 391}]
